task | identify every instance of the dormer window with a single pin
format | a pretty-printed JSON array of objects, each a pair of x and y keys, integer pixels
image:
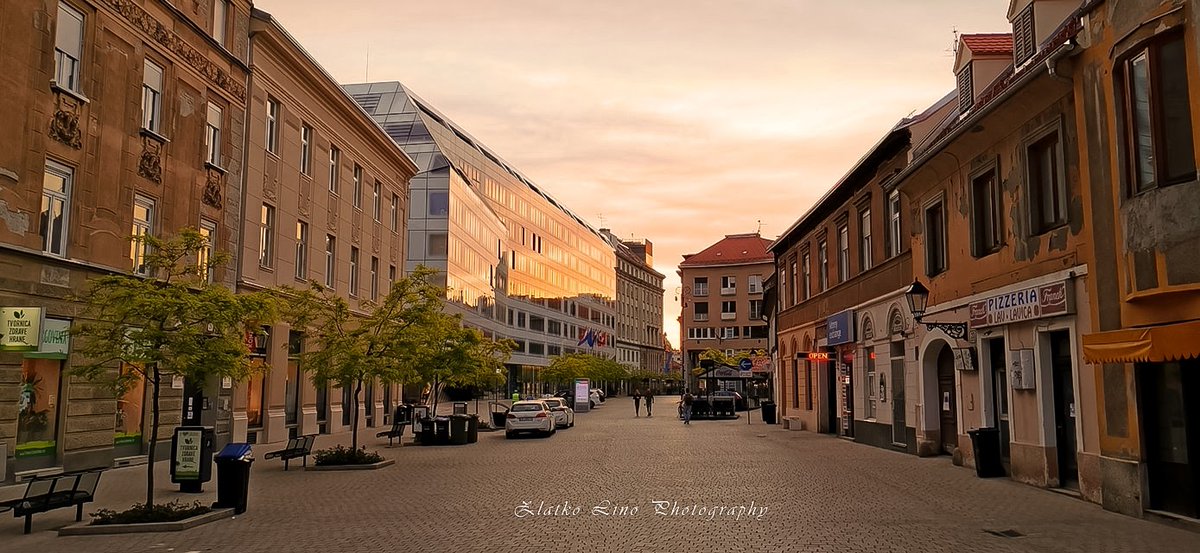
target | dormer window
[
  {"x": 1024, "y": 40},
  {"x": 966, "y": 89}
]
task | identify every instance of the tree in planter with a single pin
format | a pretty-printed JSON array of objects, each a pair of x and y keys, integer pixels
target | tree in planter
[
  {"x": 347, "y": 348},
  {"x": 564, "y": 369},
  {"x": 170, "y": 322}
]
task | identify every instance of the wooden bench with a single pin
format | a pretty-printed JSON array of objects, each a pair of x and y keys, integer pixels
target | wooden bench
[
  {"x": 296, "y": 448},
  {"x": 46, "y": 493},
  {"x": 396, "y": 433}
]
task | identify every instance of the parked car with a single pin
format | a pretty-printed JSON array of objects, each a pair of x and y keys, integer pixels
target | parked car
[
  {"x": 529, "y": 416},
  {"x": 739, "y": 402},
  {"x": 594, "y": 397},
  {"x": 564, "y": 415},
  {"x": 600, "y": 392}
]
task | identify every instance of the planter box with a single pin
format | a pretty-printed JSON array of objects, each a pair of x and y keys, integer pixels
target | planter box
[
  {"x": 88, "y": 529},
  {"x": 372, "y": 466}
]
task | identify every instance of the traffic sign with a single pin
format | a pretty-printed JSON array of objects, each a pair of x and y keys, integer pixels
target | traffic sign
[{"x": 746, "y": 364}]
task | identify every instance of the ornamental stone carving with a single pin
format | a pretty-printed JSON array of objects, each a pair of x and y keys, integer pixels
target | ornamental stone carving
[
  {"x": 212, "y": 189},
  {"x": 150, "y": 165},
  {"x": 64, "y": 126}
]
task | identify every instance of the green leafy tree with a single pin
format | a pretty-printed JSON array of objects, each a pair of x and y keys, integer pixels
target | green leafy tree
[
  {"x": 445, "y": 352},
  {"x": 347, "y": 348},
  {"x": 170, "y": 322}
]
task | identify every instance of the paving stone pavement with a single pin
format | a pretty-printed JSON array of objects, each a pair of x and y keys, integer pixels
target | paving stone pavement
[{"x": 820, "y": 494}]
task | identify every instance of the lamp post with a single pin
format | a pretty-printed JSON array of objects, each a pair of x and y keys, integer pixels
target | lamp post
[{"x": 918, "y": 299}]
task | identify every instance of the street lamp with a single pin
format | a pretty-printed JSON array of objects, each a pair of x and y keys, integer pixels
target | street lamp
[{"x": 918, "y": 299}]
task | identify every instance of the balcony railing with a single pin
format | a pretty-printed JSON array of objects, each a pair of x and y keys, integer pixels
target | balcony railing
[
  {"x": 700, "y": 317},
  {"x": 728, "y": 291},
  {"x": 728, "y": 316},
  {"x": 700, "y": 291}
]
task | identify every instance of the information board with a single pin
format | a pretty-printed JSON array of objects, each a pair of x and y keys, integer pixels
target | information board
[{"x": 582, "y": 394}]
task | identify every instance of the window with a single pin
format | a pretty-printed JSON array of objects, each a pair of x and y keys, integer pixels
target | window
[
  {"x": 68, "y": 48},
  {"x": 358, "y": 191},
  {"x": 56, "y": 208},
  {"x": 301, "y": 250},
  {"x": 1047, "y": 185},
  {"x": 795, "y": 283},
  {"x": 935, "y": 240},
  {"x": 152, "y": 89},
  {"x": 966, "y": 90},
  {"x": 436, "y": 245},
  {"x": 728, "y": 285},
  {"x": 439, "y": 204},
  {"x": 823, "y": 259},
  {"x": 1024, "y": 41},
  {"x": 869, "y": 355},
  {"x": 701, "y": 312},
  {"x": 330, "y": 260},
  {"x": 728, "y": 310},
  {"x": 208, "y": 231},
  {"x": 266, "y": 237},
  {"x": 395, "y": 212},
  {"x": 353, "y": 271},
  {"x": 212, "y": 135},
  {"x": 756, "y": 311},
  {"x": 335, "y": 161},
  {"x": 143, "y": 225},
  {"x": 377, "y": 200},
  {"x": 894, "y": 245},
  {"x": 865, "y": 247},
  {"x": 220, "y": 12},
  {"x": 1158, "y": 121},
  {"x": 986, "y": 223},
  {"x": 306, "y": 137},
  {"x": 391, "y": 276},
  {"x": 806, "y": 276},
  {"x": 728, "y": 332},
  {"x": 843, "y": 253},
  {"x": 272, "y": 125},
  {"x": 700, "y": 286},
  {"x": 374, "y": 278}
]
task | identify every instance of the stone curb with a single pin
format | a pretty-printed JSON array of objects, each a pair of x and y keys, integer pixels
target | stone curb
[
  {"x": 87, "y": 529},
  {"x": 372, "y": 466}
]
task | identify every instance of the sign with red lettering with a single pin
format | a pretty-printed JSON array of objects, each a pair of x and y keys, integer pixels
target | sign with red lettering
[
  {"x": 1022, "y": 305},
  {"x": 819, "y": 356}
]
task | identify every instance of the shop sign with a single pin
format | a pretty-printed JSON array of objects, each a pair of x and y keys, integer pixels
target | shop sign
[
  {"x": 1022, "y": 305},
  {"x": 819, "y": 356},
  {"x": 840, "y": 328},
  {"x": 56, "y": 339},
  {"x": 187, "y": 455},
  {"x": 21, "y": 327}
]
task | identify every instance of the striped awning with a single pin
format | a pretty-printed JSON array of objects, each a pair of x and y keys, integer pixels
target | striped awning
[{"x": 1156, "y": 344}]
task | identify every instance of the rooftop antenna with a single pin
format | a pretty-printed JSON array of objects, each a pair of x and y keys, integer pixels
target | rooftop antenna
[
  {"x": 601, "y": 220},
  {"x": 367, "y": 70},
  {"x": 759, "y": 231},
  {"x": 953, "y": 49}
]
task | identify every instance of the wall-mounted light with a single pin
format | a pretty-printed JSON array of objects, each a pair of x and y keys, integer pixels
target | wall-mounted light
[{"x": 918, "y": 299}]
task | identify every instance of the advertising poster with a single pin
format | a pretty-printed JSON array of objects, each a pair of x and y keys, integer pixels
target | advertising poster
[{"x": 582, "y": 391}]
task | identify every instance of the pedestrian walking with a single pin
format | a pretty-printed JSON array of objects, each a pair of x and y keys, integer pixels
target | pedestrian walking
[
  {"x": 649, "y": 399},
  {"x": 637, "y": 402},
  {"x": 686, "y": 402}
]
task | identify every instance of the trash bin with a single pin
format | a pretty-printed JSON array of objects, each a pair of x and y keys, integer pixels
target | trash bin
[
  {"x": 458, "y": 429},
  {"x": 473, "y": 429},
  {"x": 768, "y": 412},
  {"x": 441, "y": 430},
  {"x": 460, "y": 408},
  {"x": 233, "y": 476},
  {"x": 424, "y": 434},
  {"x": 986, "y": 444}
]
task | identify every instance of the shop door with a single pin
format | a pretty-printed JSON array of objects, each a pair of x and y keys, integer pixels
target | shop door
[
  {"x": 948, "y": 400},
  {"x": 847, "y": 400},
  {"x": 899, "y": 430},
  {"x": 39, "y": 394},
  {"x": 831, "y": 411},
  {"x": 1171, "y": 426},
  {"x": 1064, "y": 409},
  {"x": 999, "y": 367}
]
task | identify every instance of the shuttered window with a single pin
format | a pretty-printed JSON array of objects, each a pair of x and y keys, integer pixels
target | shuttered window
[
  {"x": 966, "y": 90},
  {"x": 1024, "y": 42}
]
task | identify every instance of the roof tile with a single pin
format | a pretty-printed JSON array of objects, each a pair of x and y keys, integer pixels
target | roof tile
[
  {"x": 734, "y": 249},
  {"x": 989, "y": 44}
]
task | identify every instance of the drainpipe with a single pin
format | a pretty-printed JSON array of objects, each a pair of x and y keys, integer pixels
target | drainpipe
[
  {"x": 241, "y": 234},
  {"x": 1052, "y": 62}
]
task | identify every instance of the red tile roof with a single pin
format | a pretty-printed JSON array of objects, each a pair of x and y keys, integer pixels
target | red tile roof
[
  {"x": 734, "y": 249},
  {"x": 991, "y": 44}
]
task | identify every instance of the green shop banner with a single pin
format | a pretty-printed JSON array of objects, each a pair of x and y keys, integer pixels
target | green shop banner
[
  {"x": 127, "y": 439},
  {"x": 45, "y": 448}
]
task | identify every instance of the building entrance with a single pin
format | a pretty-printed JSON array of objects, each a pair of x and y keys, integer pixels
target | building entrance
[
  {"x": 1171, "y": 429},
  {"x": 947, "y": 400},
  {"x": 1064, "y": 408}
]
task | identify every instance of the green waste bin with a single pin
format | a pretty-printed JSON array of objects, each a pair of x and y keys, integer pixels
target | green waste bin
[
  {"x": 473, "y": 429},
  {"x": 986, "y": 445},
  {"x": 458, "y": 429},
  {"x": 768, "y": 412}
]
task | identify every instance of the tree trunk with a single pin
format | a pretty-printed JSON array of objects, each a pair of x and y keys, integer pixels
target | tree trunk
[
  {"x": 433, "y": 392},
  {"x": 154, "y": 383},
  {"x": 354, "y": 416}
]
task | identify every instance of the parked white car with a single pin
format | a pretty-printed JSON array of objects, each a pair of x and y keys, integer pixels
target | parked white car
[
  {"x": 564, "y": 415},
  {"x": 529, "y": 416}
]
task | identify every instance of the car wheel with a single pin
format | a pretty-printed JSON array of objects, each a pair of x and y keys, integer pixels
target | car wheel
[
  {"x": 571, "y": 424},
  {"x": 509, "y": 435}
]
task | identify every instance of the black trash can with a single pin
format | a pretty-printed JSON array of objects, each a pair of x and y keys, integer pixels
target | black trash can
[
  {"x": 473, "y": 429},
  {"x": 460, "y": 408},
  {"x": 233, "y": 476},
  {"x": 986, "y": 444},
  {"x": 441, "y": 430},
  {"x": 458, "y": 429},
  {"x": 768, "y": 412},
  {"x": 425, "y": 435}
]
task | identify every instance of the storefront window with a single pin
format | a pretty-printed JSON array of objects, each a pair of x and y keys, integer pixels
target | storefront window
[
  {"x": 37, "y": 408},
  {"x": 131, "y": 410},
  {"x": 869, "y": 358}
]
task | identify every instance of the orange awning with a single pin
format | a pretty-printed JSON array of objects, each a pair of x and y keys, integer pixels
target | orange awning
[{"x": 1155, "y": 344}]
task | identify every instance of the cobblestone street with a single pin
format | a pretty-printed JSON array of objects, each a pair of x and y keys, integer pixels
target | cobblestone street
[{"x": 808, "y": 493}]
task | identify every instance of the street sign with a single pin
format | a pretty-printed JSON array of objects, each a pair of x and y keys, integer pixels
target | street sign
[{"x": 746, "y": 364}]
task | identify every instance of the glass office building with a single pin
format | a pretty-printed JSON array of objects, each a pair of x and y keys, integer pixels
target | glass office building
[{"x": 517, "y": 262}]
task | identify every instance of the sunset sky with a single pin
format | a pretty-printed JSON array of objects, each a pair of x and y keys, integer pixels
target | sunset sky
[{"x": 674, "y": 120}]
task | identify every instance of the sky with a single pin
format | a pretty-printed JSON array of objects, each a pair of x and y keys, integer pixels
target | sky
[{"x": 680, "y": 121}]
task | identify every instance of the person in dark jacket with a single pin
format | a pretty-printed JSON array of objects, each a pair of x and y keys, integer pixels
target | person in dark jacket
[
  {"x": 649, "y": 399},
  {"x": 637, "y": 402},
  {"x": 686, "y": 403}
]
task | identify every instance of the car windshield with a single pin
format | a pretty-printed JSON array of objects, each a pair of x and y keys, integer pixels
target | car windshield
[
  {"x": 553, "y": 403},
  {"x": 527, "y": 407}
]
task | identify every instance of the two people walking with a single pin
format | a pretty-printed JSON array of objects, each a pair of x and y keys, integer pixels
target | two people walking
[{"x": 637, "y": 402}]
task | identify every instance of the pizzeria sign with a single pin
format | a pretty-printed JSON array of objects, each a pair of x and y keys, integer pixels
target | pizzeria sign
[{"x": 1047, "y": 300}]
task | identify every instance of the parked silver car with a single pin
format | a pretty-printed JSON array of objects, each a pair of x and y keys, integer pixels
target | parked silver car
[{"x": 529, "y": 416}]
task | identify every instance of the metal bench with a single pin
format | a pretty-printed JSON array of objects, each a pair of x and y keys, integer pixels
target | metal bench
[
  {"x": 396, "y": 433},
  {"x": 296, "y": 448},
  {"x": 45, "y": 493}
]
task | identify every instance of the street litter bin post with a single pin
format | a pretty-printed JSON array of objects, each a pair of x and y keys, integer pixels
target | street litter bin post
[
  {"x": 441, "y": 430},
  {"x": 768, "y": 411},
  {"x": 473, "y": 429},
  {"x": 233, "y": 477},
  {"x": 459, "y": 429},
  {"x": 460, "y": 408},
  {"x": 985, "y": 443}
]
